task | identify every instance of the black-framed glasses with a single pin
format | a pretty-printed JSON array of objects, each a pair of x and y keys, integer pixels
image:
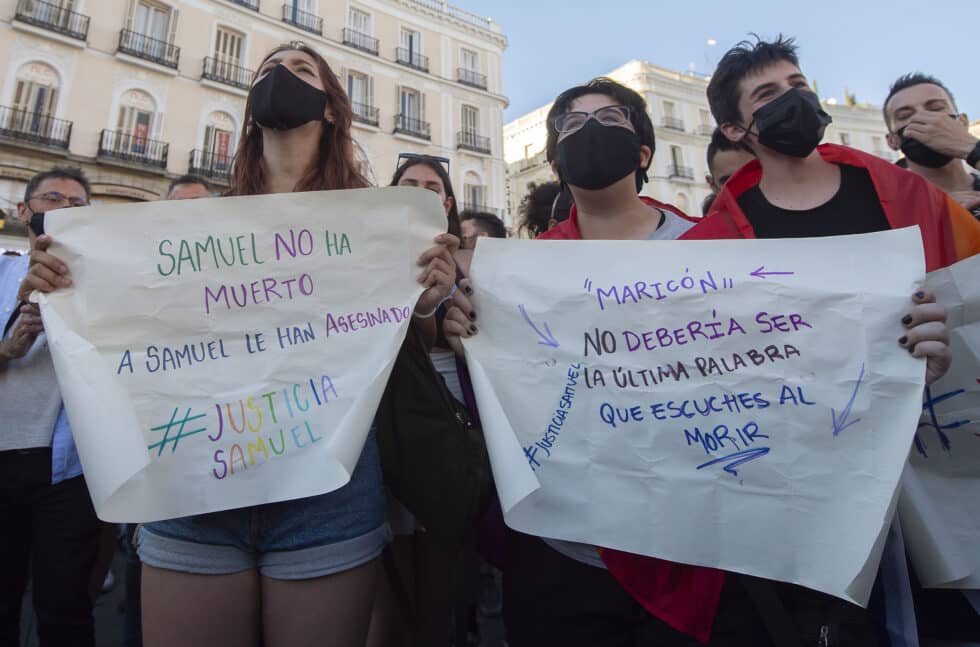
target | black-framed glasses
[
  {"x": 413, "y": 156},
  {"x": 570, "y": 122},
  {"x": 60, "y": 198}
]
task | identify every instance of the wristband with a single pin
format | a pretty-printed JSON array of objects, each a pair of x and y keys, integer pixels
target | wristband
[{"x": 438, "y": 305}]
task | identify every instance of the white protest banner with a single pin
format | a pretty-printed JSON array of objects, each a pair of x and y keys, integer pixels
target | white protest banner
[
  {"x": 737, "y": 404},
  {"x": 228, "y": 352},
  {"x": 940, "y": 503}
]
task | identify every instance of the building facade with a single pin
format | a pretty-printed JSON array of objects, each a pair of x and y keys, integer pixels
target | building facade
[
  {"x": 137, "y": 92},
  {"x": 682, "y": 121}
]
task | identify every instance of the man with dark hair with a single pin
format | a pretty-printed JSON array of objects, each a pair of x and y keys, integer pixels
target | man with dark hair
[
  {"x": 544, "y": 206},
  {"x": 49, "y": 528},
  {"x": 924, "y": 124},
  {"x": 476, "y": 224},
  {"x": 188, "y": 187},
  {"x": 795, "y": 188},
  {"x": 724, "y": 158}
]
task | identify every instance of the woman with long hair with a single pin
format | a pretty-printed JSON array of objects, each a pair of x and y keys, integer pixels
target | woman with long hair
[{"x": 291, "y": 573}]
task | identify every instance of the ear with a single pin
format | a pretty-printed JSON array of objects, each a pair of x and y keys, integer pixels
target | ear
[
  {"x": 646, "y": 157},
  {"x": 733, "y": 132},
  {"x": 554, "y": 171},
  {"x": 22, "y": 212},
  {"x": 449, "y": 203},
  {"x": 328, "y": 113},
  {"x": 710, "y": 181},
  {"x": 894, "y": 141}
]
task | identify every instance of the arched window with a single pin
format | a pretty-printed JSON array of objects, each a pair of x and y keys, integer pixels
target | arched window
[
  {"x": 35, "y": 99},
  {"x": 474, "y": 192},
  {"x": 219, "y": 139},
  {"x": 137, "y": 113}
]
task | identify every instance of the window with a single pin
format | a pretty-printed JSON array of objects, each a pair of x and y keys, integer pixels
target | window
[
  {"x": 150, "y": 19},
  {"x": 411, "y": 41},
  {"x": 473, "y": 196},
  {"x": 705, "y": 117},
  {"x": 228, "y": 47},
  {"x": 135, "y": 122},
  {"x": 35, "y": 97},
  {"x": 683, "y": 202},
  {"x": 669, "y": 109},
  {"x": 151, "y": 33},
  {"x": 360, "y": 89},
  {"x": 359, "y": 21},
  {"x": 218, "y": 135},
  {"x": 845, "y": 139},
  {"x": 469, "y": 60},
  {"x": 527, "y": 151},
  {"x": 676, "y": 157},
  {"x": 470, "y": 120},
  {"x": 410, "y": 104}
]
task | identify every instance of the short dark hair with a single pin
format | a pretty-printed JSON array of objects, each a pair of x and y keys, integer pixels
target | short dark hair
[
  {"x": 622, "y": 94},
  {"x": 536, "y": 207},
  {"x": 485, "y": 222},
  {"x": 436, "y": 164},
  {"x": 908, "y": 81},
  {"x": 721, "y": 144},
  {"x": 739, "y": 62},
  {"x": 59, "y": 173},
  {"x": 188, "y": 179}
]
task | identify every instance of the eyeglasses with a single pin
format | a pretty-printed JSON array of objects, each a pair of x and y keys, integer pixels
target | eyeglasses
[
  {"x": 571, "y": 122},
  {"x": 60, "y": 198},
  {"x": 413, "y": 156}
]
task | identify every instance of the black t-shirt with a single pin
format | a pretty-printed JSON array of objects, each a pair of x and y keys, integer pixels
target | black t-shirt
[{"x": 854, "y": 209}]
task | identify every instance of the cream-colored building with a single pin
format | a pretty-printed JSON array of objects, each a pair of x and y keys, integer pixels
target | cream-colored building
[
  {"x": 137, "y": 92},
  {"x": 683, "y": 124}
]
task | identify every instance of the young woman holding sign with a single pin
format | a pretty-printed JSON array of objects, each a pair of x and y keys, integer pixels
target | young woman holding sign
[{"x": 298, "y": 572}]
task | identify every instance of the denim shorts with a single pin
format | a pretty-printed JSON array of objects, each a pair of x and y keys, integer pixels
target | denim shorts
[{"x": 289, "y": 540}]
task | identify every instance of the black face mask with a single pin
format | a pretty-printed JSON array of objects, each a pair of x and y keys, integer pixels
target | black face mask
[
  {"x": 283, "y": 101},
  {"x": 921, "y": 154},
  {"x": 37, "y": 223},
  {"x": 792, "y": 124},
  {"x": 598, "y": 156}
]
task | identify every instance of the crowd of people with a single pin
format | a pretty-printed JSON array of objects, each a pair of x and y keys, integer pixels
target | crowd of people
[{"x": 309, "y": 571}]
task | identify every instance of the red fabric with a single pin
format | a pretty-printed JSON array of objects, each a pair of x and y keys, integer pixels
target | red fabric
[
  {"x": 906, "y": 198},
  {"x": 685, "y": 597},
  {"x": 568, "y": 229}
]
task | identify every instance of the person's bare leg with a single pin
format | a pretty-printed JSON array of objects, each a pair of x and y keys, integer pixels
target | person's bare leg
[
  {"x": 389, "y": 626},
  {"x": 200, "y": 610},
  {"x": 332, "y": 610}
]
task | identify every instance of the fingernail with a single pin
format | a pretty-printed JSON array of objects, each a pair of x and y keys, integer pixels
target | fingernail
[
  {"x": 902, "y": 340},
  {"x": 468, "y": 290},
  {"x": 473, "y": 329},
  {"x": 911, "y": 349},
  {"x": 920, "y": 295},
  {"x": 472, "y": 315},
  {"x": 907, "y": 319}
]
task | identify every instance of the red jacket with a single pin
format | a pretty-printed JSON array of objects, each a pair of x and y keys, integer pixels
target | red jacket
[
  {"x": 683, "y": 596},
  {"x": 949, "y": 232}
]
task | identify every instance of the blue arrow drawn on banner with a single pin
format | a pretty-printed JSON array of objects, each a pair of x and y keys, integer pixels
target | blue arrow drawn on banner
[
  {"x": 841, "y": 423},
  {"x": 546, "y": 338}
]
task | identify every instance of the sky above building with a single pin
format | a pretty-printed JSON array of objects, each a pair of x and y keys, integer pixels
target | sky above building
[{"x": 860, "y": 45}]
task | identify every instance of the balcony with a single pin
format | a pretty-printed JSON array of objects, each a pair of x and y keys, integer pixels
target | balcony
[
  {"x": 34, "y": 128},
  {"x": 705, "y": 130},
  {"x": 471, "y": 78},
  {"x": 360, "y": 41},
  {"x": 673, "y": 123},
  {"x": 53, "y": 18},
  {"x": 248, "y": 4},
  {"x": 227, "y": 73},
  {"x": 133, "y": 149},
  {"x": 364, "y": 113},
  {"x": 414, "y": 127},
  {"x": 150, "y": 49},
  {"x": 412, "y": 59},
  {"x": 210, "y": 166},
  {"x": 472, "y": 141},
  {"x": 305, "y": 21},
  {"x": 682, "y": 172}
]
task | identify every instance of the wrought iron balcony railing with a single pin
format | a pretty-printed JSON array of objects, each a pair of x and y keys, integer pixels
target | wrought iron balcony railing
[
  {"x": 52, "y": 17},
  {"x": 414, "y": 127},
  {"x": 150, "y": 49},
  {"x": 34, "y": 128},
  {"x": 133, "y": 148}
]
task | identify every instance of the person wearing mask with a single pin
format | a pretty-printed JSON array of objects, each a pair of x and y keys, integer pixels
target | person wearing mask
[
  {"x": 724, "y": 158},
  {"x": 188, "y": 187},
  {"x": 49, "y": 531},
  {"x": 797, "y": 188},
  {"x": 543, "y": 207},
  {"x": 924, "y": 124},
  {"x": 600, "y": 144},
  {"x": 300, "y": 572}
]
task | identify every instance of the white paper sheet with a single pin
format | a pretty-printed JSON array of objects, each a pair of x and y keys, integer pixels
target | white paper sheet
[
  {"x": 754, "y": 410},
  {"x": 940, "y": 504},
  {"x": 228, "y": 352}
]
